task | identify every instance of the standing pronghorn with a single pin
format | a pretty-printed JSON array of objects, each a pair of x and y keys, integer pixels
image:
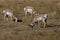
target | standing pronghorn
[
  {"x": 39, "y": 18},
  {"x": 29, "y": 10},
  {"x": 9, "y": 14}
]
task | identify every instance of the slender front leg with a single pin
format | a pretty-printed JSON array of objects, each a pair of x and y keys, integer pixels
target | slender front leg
[
  {"x": 25, "y": 14},
  {"x": 44, "y": 23},
  {"x": 15, "y": 19},
  {"x": 31, "y": 14},
  {"x": 38, "y": 23},
  {"x": 7, "y": 20},
  {"x": 4, "y": 18}
]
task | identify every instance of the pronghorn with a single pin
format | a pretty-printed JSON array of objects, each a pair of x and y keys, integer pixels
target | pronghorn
[
  {"x": 39, "y": 18},
  {"x": 9, "y": 14},
  {"x": 29, "y": 9}
]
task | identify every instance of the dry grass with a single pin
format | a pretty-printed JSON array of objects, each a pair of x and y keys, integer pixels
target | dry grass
[{"x": 21, "y": 31}]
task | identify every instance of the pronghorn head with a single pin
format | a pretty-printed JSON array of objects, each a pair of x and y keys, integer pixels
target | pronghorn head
[
  {"x": 4, "y": 11},
  {"x": 31, "y": 25}
]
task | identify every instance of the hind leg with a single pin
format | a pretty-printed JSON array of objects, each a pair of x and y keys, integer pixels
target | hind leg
[
  {"x": 11, "y": 19},
  {"x": 46, "y": 22},
  {"x": 4, "y": 18}
]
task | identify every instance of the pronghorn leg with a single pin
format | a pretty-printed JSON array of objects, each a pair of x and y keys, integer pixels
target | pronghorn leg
[
  {"x": 15, "y": 19},
  {"x": 25, "y": 14},
  {"x": 7, "y": 20},
  {"x": 11, "y": 19},
  {"x": 44, "y": 23},
  {"x": 38, "y": 23},
  {"x": 31, "y": 15},
  {"x": 4, "y": 18}
]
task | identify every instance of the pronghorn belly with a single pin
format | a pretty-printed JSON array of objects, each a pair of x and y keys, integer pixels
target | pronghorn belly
[
  {"x": 9, "y": 13},
  {"x": 39, "y": 19}
]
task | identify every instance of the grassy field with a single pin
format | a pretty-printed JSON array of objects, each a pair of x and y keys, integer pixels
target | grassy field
[{"x": 21, "y": 31}]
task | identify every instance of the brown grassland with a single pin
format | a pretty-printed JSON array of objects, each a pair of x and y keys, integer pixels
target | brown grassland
[{"x": 22, "y": 31}]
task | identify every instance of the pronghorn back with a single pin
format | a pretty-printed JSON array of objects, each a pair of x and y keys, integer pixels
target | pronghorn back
[
  {"x": 28, "y": 9},
  {"x": 8, "y": 12},
  {"x": 40, "y": 17}
]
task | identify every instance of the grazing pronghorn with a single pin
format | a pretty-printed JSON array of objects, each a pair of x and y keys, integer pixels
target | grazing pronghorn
[
  {"x": 29, "y": 9},
  {"x": 39, "y": 18},
  {"x": 9, "y": 14}
]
